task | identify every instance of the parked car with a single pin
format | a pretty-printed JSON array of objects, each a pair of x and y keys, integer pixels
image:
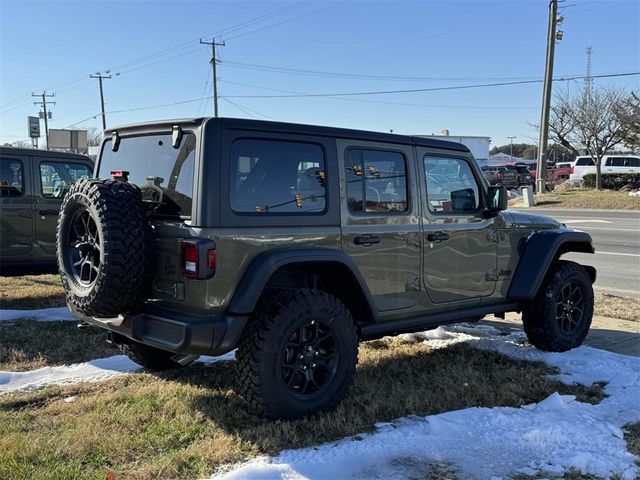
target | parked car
[
  {"x": 501, "y": 175},
  {"x": 32, "y": 186},
  {"x": 610, "y": 164},
  {"x": 554, "y": 174},
  {"x": 524, "y": 175},
  {"x": 292, "y": 243}
]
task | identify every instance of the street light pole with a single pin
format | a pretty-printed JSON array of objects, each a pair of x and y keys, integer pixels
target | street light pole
[{"x": 511, "y": 155}]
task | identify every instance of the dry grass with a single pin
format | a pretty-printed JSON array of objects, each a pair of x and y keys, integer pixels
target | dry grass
[
  {"x": 632, "y": 436},
  {"x": 31, "y": 292},
  {"x": 617, "y": 307},
  {"x": 187, "y": 423},
  {"x": 581, "y": 198},
  {"x": 27, "y": 344}
]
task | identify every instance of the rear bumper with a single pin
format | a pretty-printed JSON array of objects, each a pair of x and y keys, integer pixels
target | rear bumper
[{"x": 175, "y": 332}]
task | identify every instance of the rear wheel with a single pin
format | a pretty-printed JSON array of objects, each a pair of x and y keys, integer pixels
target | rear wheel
[
  {"x": 298, "y": 355},
  {"x": 560, "y": 316}
]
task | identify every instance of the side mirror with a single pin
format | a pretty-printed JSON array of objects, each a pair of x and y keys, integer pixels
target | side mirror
[{"x": 497, "y": 199}]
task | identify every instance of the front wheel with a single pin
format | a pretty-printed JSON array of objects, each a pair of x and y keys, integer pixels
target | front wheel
[
  {"x": 558, "y": 319},
  {"x": 298, "y": 355}
]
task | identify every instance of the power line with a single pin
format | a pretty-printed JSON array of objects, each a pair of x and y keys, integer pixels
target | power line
[
  {"x": 295, "y": 71},
  {"x": 133, "y": 64},
  {"x": 226, "y": 97},
  {"x": 247, "y": 109},
  {"x": 285, "y": 21},
  {"x": 404, "y": 104},
  {"x": 432, "y": 89}
]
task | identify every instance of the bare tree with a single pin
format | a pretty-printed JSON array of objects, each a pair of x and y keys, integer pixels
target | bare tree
[
  {"x": 591, "y": 121},
  {"x": 629, "y": 115},
  {"x": 94, "y": 137}
]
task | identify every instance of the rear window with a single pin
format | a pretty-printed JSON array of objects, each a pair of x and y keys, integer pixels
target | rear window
[
  {"x": 164, "y": 173},
  {"x": 584, "y": 161}
]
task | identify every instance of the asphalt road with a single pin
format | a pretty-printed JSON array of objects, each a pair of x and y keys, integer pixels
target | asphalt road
[{"x": 616, "y": 237}]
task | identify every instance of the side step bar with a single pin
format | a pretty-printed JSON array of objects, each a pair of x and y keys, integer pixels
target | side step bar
[{"x": 429, "y": 322}]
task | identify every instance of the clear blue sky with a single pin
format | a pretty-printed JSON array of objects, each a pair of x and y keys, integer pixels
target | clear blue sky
[{"x": 56, "y": 45}]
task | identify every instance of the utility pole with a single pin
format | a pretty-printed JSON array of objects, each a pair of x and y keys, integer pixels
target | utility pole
[
  {"x": 213, "y": 66},
  {"x": 99, "y": 76},
  {"x": 511, "y": 155},
  {"x": 44, "y": 95},
  {"x": 552, "y": 36}
]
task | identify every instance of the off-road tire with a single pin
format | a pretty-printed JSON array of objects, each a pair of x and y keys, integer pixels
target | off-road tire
[
  {"x": 149, "y": 357},
  {"x": 125, "y": 236},
  {"x": 258, "y": 372},
  {"x": 539, "y": 315}
]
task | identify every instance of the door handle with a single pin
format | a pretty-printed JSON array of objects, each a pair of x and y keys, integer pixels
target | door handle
[
  {"x": 44, "y": 213},
  {"x": 367, "y": 240},
  {"x": 437, "y": 237}
]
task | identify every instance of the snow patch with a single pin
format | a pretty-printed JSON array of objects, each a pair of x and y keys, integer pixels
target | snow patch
[
  {"x": 92, "y": 371},
  {"x": 549, "y": 437},
  {"x": 42, "y": 315}
]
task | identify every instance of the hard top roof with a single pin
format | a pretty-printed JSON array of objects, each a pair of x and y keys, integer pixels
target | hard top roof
[
  {"x": 34, "y": 152},
  {"x": 264, "y": 125}
]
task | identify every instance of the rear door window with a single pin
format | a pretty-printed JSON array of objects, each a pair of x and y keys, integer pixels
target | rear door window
[
  {"x": 274, "y": 177},
  {"x": 376, "y": 181},
  {"x": 11, "y": 177},
  {"x": 57, "y": 177}
]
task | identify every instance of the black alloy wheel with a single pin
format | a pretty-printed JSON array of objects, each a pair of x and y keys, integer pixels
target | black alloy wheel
[
  {"x": 84, "y": 248},
  {"x": 569, "y": 307},
  {"x": 310, "y": 358}
]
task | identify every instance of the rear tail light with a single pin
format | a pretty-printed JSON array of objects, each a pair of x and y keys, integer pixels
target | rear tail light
[
  {"x": 212, "y": 258},
  {"x": 198, "y": 258},
  {"x": 189, "y": 259}
]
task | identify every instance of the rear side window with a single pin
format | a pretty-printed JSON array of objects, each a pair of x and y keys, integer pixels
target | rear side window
[
  {"x": 164, "y": 173},
  {"x": 615, "y": 162},
  {"x": 376, "y": 181},
  {"x": 11, "y": 177},
  {"x": 584, "y": 161},
  {"x": 633, "y": 162},
  {"x": 57, "y": 177},
  {"x": 274, "y": 177}
]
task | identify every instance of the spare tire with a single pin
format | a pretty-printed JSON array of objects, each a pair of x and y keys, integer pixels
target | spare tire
[{"x": 104, "y": 247}]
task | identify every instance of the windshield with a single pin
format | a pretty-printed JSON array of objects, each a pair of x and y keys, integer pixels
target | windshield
[{"x": 164, "y": 173}]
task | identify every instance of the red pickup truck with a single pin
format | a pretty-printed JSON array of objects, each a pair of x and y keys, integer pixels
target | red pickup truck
[{"x": 553, "y": 175}]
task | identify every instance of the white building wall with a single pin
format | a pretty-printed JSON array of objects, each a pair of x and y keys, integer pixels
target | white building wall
[{"x": 479, "y": 146}]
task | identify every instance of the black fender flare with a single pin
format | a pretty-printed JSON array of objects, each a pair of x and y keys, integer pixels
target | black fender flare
[
  {"x": 265, "y": 264},
  {"x": 538, "y": 253}
]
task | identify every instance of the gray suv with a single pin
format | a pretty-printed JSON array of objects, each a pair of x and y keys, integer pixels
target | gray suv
[
  {"x": 292, "y": 243},
  {"x": 32, "y": 186}
]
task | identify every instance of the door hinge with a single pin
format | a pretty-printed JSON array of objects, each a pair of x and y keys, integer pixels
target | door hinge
[
  {"x": 492, "y": 276},
  {"x": 412, "y": 285}
]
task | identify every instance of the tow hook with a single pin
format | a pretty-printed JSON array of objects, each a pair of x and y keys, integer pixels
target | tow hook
[{"x": 83, "y": 325}]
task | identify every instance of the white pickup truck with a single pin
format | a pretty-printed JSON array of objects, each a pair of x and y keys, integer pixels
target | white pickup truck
[{"x": 610, "y": 164}]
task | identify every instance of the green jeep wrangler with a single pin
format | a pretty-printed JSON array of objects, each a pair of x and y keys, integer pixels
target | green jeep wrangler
[
  {"x": 291, "y": 243},
  {"x": 32, "y": 185}
]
